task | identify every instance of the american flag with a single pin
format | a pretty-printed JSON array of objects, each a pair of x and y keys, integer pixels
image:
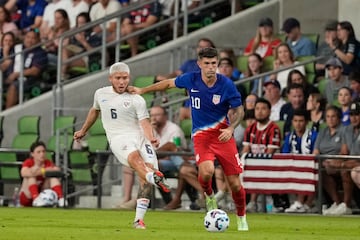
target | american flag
[{"x": 280, "y": 173}]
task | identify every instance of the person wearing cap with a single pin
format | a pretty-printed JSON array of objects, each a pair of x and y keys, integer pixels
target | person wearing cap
[
  {"x": 264, "y": 42},
  {"x": 131, "y": 137},
  {"x": 273, "y": 95},
  {"x": 300, "y": 45},
  {"x": 324, "y": 49},
  {"x": 354, "y": 78},
  {"x": 336, "y": 79},
  {"x": 348, "y": 47}
]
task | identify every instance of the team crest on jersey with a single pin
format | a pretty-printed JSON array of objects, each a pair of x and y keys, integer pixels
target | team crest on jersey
[
  {"x": 126, "y": 103},
  {"x": 216, "y": 99}
]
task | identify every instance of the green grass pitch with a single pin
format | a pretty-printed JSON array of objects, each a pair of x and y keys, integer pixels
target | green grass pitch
[{"x": 53, "y": 224}]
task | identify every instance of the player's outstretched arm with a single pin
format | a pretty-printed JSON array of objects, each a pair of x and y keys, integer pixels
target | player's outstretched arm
[
  {"x": 160, "y": 86},
  {"x": 90, "y": 119},
  {"x": 148, "y": 132}
]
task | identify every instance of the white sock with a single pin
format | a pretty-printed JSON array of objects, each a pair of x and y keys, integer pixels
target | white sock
[
  {"x": 150, "y": 178},
  {"x": 141, "y": 208}
]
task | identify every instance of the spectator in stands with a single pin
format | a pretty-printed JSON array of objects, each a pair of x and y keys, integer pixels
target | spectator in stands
[
  {"x": 295, "y": 76},
  {"x": 273, "y": 95},
  {"x": 32, "y": 13},
  {"x": 284, "y": 57},
  {"x": 348, "y": 48},
  {"x": 80, "y": 42},
  {"x": 33, "y": 173},
  {"x": 324, "y": 49},
  {"x": 263, "y": 136},
  {"x": 354, "y": 78},
  {"x": 300, "y": 140},
  {"x": 316, "y": 105},
  {"x": 264, "y": 42},
  {"x": 35, "y": 61},
  {"x": 295, "y": 95},
  {"x": 254, "y": 67},
  {"x": 300, "y": 45},
  {"x": 61, "y": 25},
  {"x": 229, "y": 53},
  {"x": 72, "y": 7},
  {"x": 226, "y": 68},
  {"x": 344, "y": 101},
  {"x": 167, "y": 8},
  {"x": 250, "y": 101},
  {"x": 329, "y": 142},
  {"x": 336, "y": 79},
  {"x": 7, "y": 49},
  {"x": 6, "y": 25},
  {"x": 139, "y": 19},
  {"x": 100, "y": 10}
]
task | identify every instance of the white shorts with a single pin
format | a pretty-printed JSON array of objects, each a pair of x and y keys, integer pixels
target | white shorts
[{"x": 122, "y": 146}]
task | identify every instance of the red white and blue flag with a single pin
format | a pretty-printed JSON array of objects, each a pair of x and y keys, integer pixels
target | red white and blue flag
[{"x": 280, "y": 173}]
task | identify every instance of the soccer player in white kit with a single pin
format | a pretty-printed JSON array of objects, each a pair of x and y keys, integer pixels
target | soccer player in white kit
[{"x": 129, "y": 132}]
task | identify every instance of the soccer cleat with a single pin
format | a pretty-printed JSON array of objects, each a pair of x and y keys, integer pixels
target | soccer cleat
[
  {"x": 139, "y": 224},
  {"x": 242, "y": 223},
  {"x": 210, "y": 202},
  {"x": 160, "y": 181},
  {"x": 62, "y": 202}
]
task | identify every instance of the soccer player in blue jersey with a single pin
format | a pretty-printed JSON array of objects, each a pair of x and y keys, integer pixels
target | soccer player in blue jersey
[{"x": 216, "y": 110}]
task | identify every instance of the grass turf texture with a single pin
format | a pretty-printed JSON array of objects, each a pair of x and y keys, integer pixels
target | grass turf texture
[{"x": 53, "y": 224}]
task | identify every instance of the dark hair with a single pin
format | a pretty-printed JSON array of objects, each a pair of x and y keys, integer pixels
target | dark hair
[
  {"x": 228, "y": 60},
  {"x": 65, "y": 15},
  {"x": 208, "y": 41},
  {"x": 354, "y": 76},
  {"x": 84, "y": 15},
  {"x": 7, "y": 14},
  {"x": 335, "y": 109},
  {"x": 295, "y": 86},
  {"x": 207, "y": 53},
  {"x": 263, "y": 100},
  {"x": 37, "y": 144},
  {"x": 347, "y": 88},
  {"x": 10, "y": 34},
  {"x": 319, "y": 99},
  {"x": 302, "y": 113},
  {"x": 295, "y": 71},
  {"x": 348, "y": 27}
]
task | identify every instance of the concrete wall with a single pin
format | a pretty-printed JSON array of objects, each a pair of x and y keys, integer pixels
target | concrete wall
[{"x": 349, "y": 10}]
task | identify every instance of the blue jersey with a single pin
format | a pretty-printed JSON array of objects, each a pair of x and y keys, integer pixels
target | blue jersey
[
  {"x": 299, "y": 145},
  {"x": 209, "y": 105}
]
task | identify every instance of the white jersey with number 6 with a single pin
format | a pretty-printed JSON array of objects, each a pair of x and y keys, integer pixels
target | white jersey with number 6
[{"x": 120, "y": 115}]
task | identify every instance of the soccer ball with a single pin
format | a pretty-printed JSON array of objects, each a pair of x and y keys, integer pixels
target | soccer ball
[
  {"x": 216, "y": 220},
  {"x": 47, "y": 198}
]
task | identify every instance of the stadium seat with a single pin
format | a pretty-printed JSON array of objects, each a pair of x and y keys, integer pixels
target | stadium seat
[
  {"x": 96, "y": 139},
  {"x": 65, "y": 124},
  {"x": 281, "y": 124},
  {"x": 268, "y": 63},
  {"x": 143, "y": 81},
  {"x": 9, "y": 173},
  {"x": 322, "y": 85},
  {"x": 242, "y": 62},
  {"x": 186, "y": 126},
  {"x": 80, "y": 167},
  {"x": 314, "y": 37},
  {"x": 309, "y": 68}
]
